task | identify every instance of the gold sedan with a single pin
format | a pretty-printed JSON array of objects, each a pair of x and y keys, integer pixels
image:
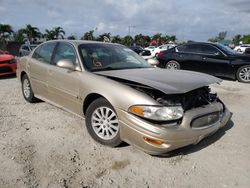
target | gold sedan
[{"x": 121, "y": 96}]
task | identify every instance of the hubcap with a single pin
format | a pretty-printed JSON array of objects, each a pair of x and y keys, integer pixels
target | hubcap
[
  {"x": 105, "y": 123},
  {"x": 171, "y": 65},
  {"x": 245, "y": 74},
  {"x": 26, "y": 88}
]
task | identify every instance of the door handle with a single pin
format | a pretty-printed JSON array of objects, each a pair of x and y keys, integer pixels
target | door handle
[{"x": 204, "y": 58}]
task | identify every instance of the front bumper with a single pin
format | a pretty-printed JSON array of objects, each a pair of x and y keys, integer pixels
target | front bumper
[
  {"x": 6, "y": 68},
  {"x": 134, "y": 130}
]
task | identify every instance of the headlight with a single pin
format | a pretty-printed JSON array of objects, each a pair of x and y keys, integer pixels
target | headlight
[
  {"x": 158, "y": 113},
  {"x": 12, "y": 61}
]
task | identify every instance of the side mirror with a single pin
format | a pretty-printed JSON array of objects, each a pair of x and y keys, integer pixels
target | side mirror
[{"x": 66, "y": 64}]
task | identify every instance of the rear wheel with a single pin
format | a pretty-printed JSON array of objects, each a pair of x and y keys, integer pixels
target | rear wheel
[
  {"x": 27, "y": 90},
  {"x": 243, "y": 74},
  {"x": 102, "y": 123},
  {"x": 172, "y": 64}
]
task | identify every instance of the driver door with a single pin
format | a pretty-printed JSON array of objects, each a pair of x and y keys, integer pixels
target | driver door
[{"x": 63, "y": 84}]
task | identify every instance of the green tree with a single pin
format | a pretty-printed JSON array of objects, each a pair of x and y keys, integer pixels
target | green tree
[
  {"x": 5, "y": 32},
  {"x": 172, "y": 38},
  {"x": 236, "y": 39},
  {"x": 116, "y": 39},
  {"x": 140, "y": 40},
  {"x": 72, "y": 37},
  {"x": 105, "y": 37},
  {"x": 127, "y": 40},
  {"x": 59, "y": 32},
  {"x": 88, "y": 35},
  {"x": 246, "y": 39},
  {"x": 157, "y": 37},
  {"x": 31, "y": 33},
  {"x": 221, "y": 36},
  {"x": 49, "y": 34},
  {"x": 19, "y": 35}
]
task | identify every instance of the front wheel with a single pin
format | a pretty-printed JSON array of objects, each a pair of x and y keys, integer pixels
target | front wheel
[
  {"x": 243, "y": 74},
  {"x": 172, "y": 64},
  {"x": 102, "y": 123},
  {"x": 27, "y": 90}
]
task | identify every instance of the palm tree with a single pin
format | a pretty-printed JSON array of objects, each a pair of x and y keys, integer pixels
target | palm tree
[
  {"x": 127, "y": 40},
  {"x": 59, "y": 32},
  {"x": 88, "y": 35},
  {"x": 237, "y": 39},
  {"x": 49, "y": 34},
  {"x": 32, "y": 33},
  {"x": 5, "y": 32},
  {"x": 116, "y": 39},
  {"x": 19, "y": 36},
  {"x": 105, "y": 37}
]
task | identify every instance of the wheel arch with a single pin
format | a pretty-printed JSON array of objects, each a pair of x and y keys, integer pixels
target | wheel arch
[
  {"x": 89, "y": 99},
  {"x": 22, "y": 74}
]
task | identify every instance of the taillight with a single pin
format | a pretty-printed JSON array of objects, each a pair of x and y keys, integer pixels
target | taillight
[{"x": 160, "y": 55}]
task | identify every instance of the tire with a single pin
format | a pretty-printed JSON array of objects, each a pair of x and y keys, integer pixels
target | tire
[
  {"x": 172, "y": 64},
  {"x": 102, "y": 123},
  {"x": 243, "y": 74},
  {"x": 27, "y": 90}
]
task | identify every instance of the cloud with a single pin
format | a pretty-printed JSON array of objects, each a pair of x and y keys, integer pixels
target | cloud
[{"x": 189, "y": 20}]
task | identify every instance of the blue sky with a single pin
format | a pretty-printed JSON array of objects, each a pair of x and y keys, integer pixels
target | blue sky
[{"x": 187, "y": 19}]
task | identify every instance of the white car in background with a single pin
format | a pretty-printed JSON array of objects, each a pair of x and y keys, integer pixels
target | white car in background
[
  {"x": 162, "y": 48},
  {"x": 150, "y": 48},
  {"x": 241, "y": 48}
]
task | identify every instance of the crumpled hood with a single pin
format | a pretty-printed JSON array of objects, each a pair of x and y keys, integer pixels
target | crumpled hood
[{"x": 167, "y": 81}]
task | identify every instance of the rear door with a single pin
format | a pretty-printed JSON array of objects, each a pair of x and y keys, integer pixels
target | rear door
[
  {"x": 189, "y": 57},
  {"x": 63, "y": 84},
  {"x": 38, "y": 68}
]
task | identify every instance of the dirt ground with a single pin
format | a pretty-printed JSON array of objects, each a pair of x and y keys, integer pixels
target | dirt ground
[{"x": 43, "y": 146}]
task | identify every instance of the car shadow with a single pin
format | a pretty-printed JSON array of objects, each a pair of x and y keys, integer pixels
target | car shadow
[
  {"x": 10, "y": 76},
  {"x": 202, "y": 144}
]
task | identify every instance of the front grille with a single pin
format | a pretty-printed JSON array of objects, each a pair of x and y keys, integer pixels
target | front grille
[
  {"x": 5, "y": 69},
  {"x": 3, "y": 62}
]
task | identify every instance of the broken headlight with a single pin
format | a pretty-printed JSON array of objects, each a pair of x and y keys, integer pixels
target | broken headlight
[{"x": 158, "y": 113}]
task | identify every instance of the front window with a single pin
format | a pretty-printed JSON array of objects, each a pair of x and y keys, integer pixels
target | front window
[
  {"x": 226, "y": 49},
  {"x": 64, "y": 51},
  {"x": 100, "y": 57}
]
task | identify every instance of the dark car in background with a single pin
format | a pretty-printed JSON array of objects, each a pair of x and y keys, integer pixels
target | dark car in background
[
  {"x": 25, "y": 49},
  {"x": 140, "y": 50},
  {"x": 210, "y": 58}
]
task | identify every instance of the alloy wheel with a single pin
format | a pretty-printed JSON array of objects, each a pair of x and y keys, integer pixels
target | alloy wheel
[
  {"x": 244, "y": 74},
  {"x": 105, "y": 123},
  {"x": 26, "y": 88}
]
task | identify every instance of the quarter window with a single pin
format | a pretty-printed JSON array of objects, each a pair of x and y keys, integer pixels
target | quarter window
[{"x": 44, "y": 52}]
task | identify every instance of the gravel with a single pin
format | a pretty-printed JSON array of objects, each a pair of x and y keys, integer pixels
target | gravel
[{"x": 44, "y": 146}]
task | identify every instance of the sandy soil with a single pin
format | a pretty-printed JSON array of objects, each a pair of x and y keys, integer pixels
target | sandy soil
[{"x": 43, "y": 146}]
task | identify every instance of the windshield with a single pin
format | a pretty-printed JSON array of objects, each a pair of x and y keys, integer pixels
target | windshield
[
  {"x": 226, "y": 49},
  {"x": 100, "y": 57}
]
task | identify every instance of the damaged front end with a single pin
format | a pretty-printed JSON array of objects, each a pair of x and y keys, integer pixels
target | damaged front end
[
  {"x": 192, "y": 99},
  {"x": 178, "y": 103}
]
